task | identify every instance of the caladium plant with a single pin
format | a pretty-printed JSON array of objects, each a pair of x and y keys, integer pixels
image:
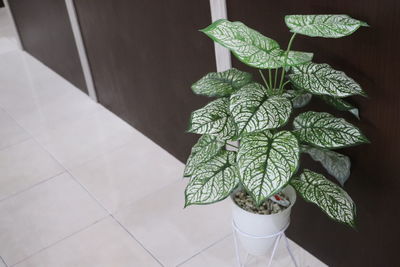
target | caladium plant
[{"x": 255, "y": 116}]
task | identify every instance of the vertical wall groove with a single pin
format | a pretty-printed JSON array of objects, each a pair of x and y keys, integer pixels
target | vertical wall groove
[{"x": 222, "y": 54}]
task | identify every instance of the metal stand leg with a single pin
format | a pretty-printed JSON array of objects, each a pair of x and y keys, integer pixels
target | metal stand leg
[
  {"x": 278, "y": 237},
  {"x": 274, "y": 250},
  {"x": 290, "y": 251}
]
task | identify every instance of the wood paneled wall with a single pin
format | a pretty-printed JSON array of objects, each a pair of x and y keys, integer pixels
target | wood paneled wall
[
  {"x": 372, "y": 58},
  {"x": 46, "y": 33},
  {"x": 144, "y": 56}
]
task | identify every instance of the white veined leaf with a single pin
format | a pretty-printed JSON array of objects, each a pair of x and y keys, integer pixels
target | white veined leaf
[
  {"x": 296, "y": 58},
  {"x": 214, "y": 180},
  {"x": 324, "y": 130},
  {"x": 214, "y": 119},
  {"x": 251, "y": 47},
  {"x": 266, "y": 162},
  {"x": 328, "y": 26},
  {"x": 221, "y": 83},
  {"x": 254, "y": 111},
  {"x": 332, "y": 199},
  {"x": 206, "y": 148},
  {"x": 341, "y": 104},
  {"x": 298, "y": 98},
  {"x": 322, "y": 79},
  {"x": 336, "y": 164}
]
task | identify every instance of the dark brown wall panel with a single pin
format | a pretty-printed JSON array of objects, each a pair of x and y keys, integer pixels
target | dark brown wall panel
[
  {"x": 46, "y": 33},
  {"x": 144, "y": 56},
  {"x": 372, "y": 58}
]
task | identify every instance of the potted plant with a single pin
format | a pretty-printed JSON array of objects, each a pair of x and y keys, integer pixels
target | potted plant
[{"x": 250, "y": 146}]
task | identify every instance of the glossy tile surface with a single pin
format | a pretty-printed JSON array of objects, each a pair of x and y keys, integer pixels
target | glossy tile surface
[
  {"x": 172, "y": 233},
  {"x": 129, "y": 173},
  {"x": 104, "y": 244},
  {"x": 88, "y": 136},
  {"x": 43, "y": 215},
  {"x": 24, "y": 165}
]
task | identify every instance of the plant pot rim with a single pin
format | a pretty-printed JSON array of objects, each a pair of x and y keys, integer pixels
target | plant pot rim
[{"x": 292, "y": 201}]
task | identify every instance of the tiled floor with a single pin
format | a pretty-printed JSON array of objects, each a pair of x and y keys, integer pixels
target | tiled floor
[{"x": 79, "y": 187}]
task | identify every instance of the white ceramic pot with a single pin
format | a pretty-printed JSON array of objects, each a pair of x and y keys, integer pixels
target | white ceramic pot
[{"x": 261, "y": 225}]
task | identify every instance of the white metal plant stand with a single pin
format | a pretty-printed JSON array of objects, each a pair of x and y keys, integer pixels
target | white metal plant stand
[{"x": 279, "y": 235}]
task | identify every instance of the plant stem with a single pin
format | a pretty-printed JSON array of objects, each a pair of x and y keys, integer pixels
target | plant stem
[
  {"x": 286, "y": 56},
  {"x": 283, "y": 86},
  {"x": 262, "y": 76},
  {"x": 276, "y": 77},
  {"x": 270, "y": 78}
]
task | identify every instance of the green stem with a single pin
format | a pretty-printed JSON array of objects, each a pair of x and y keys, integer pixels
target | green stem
[
  {"x": 283, "y": 86},
  {"x": 262, "y": 76},
  {"x": 286, "y": 56},
  {"x": 276, "y": 77},
  {"x": 270, "y": 78}
]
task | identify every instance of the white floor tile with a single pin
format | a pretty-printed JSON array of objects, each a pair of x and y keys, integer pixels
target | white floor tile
[
  {"x": 223, "y": 254},
  {"x": 127, "y": 174},
  {"x": 43, "y": 215},
  {"x": 7, "y": 44},
  {"x": 173, "y": 234},
  {"x": 8, "y": 36},
  {"x": 23, "y": 165},
  {"x": 10, "y": 132},
  {"x": 104, "y": 244},
  {"x": 93, "y": 134},
  {"x": 5, "y": 20},
  {"x": 62, "y": 110},
  {"x": 36, "y": 97},
  {"x": 26, "y": 84}
]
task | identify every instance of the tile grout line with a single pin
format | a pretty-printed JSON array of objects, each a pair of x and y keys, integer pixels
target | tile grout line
[
  {"x": 67, "y": 170},
  {"x": 62, "y": 239},
  {"x": 134, "y": 238},
  {"x": 32, "y": 186},
  {"x": 204, "y": 249},
  {"x": 29, "y": 135},
  {"x": 2, "y": 260},
  {"x": 15, "y": 144}
]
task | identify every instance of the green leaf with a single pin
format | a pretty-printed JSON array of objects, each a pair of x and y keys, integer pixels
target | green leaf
[
  {"x": 324, "y": 130},
  {"x": 321, "y": 79},
  {"x": 206, "y": 148},
  {"x": 341, "y": 104},
  {"x": 336, "y": 164},
  {"x": 214, "y": 119},
  {"x": 298, "y": 98},
  {"x": 266, "y": 162},
  {"x": 328, "y": 26},
  {"x": 214, "y": 180},
  {"x": 254, "y": 111},
  {"x": 251, "y": 47},
  {"x": 221, "y": 83},
  {"x": 332, "y": 199},
  {"x": 296, "y": 58}
]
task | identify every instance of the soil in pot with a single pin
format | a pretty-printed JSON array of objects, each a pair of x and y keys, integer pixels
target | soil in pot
[{"x": 244, "y": 201}]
